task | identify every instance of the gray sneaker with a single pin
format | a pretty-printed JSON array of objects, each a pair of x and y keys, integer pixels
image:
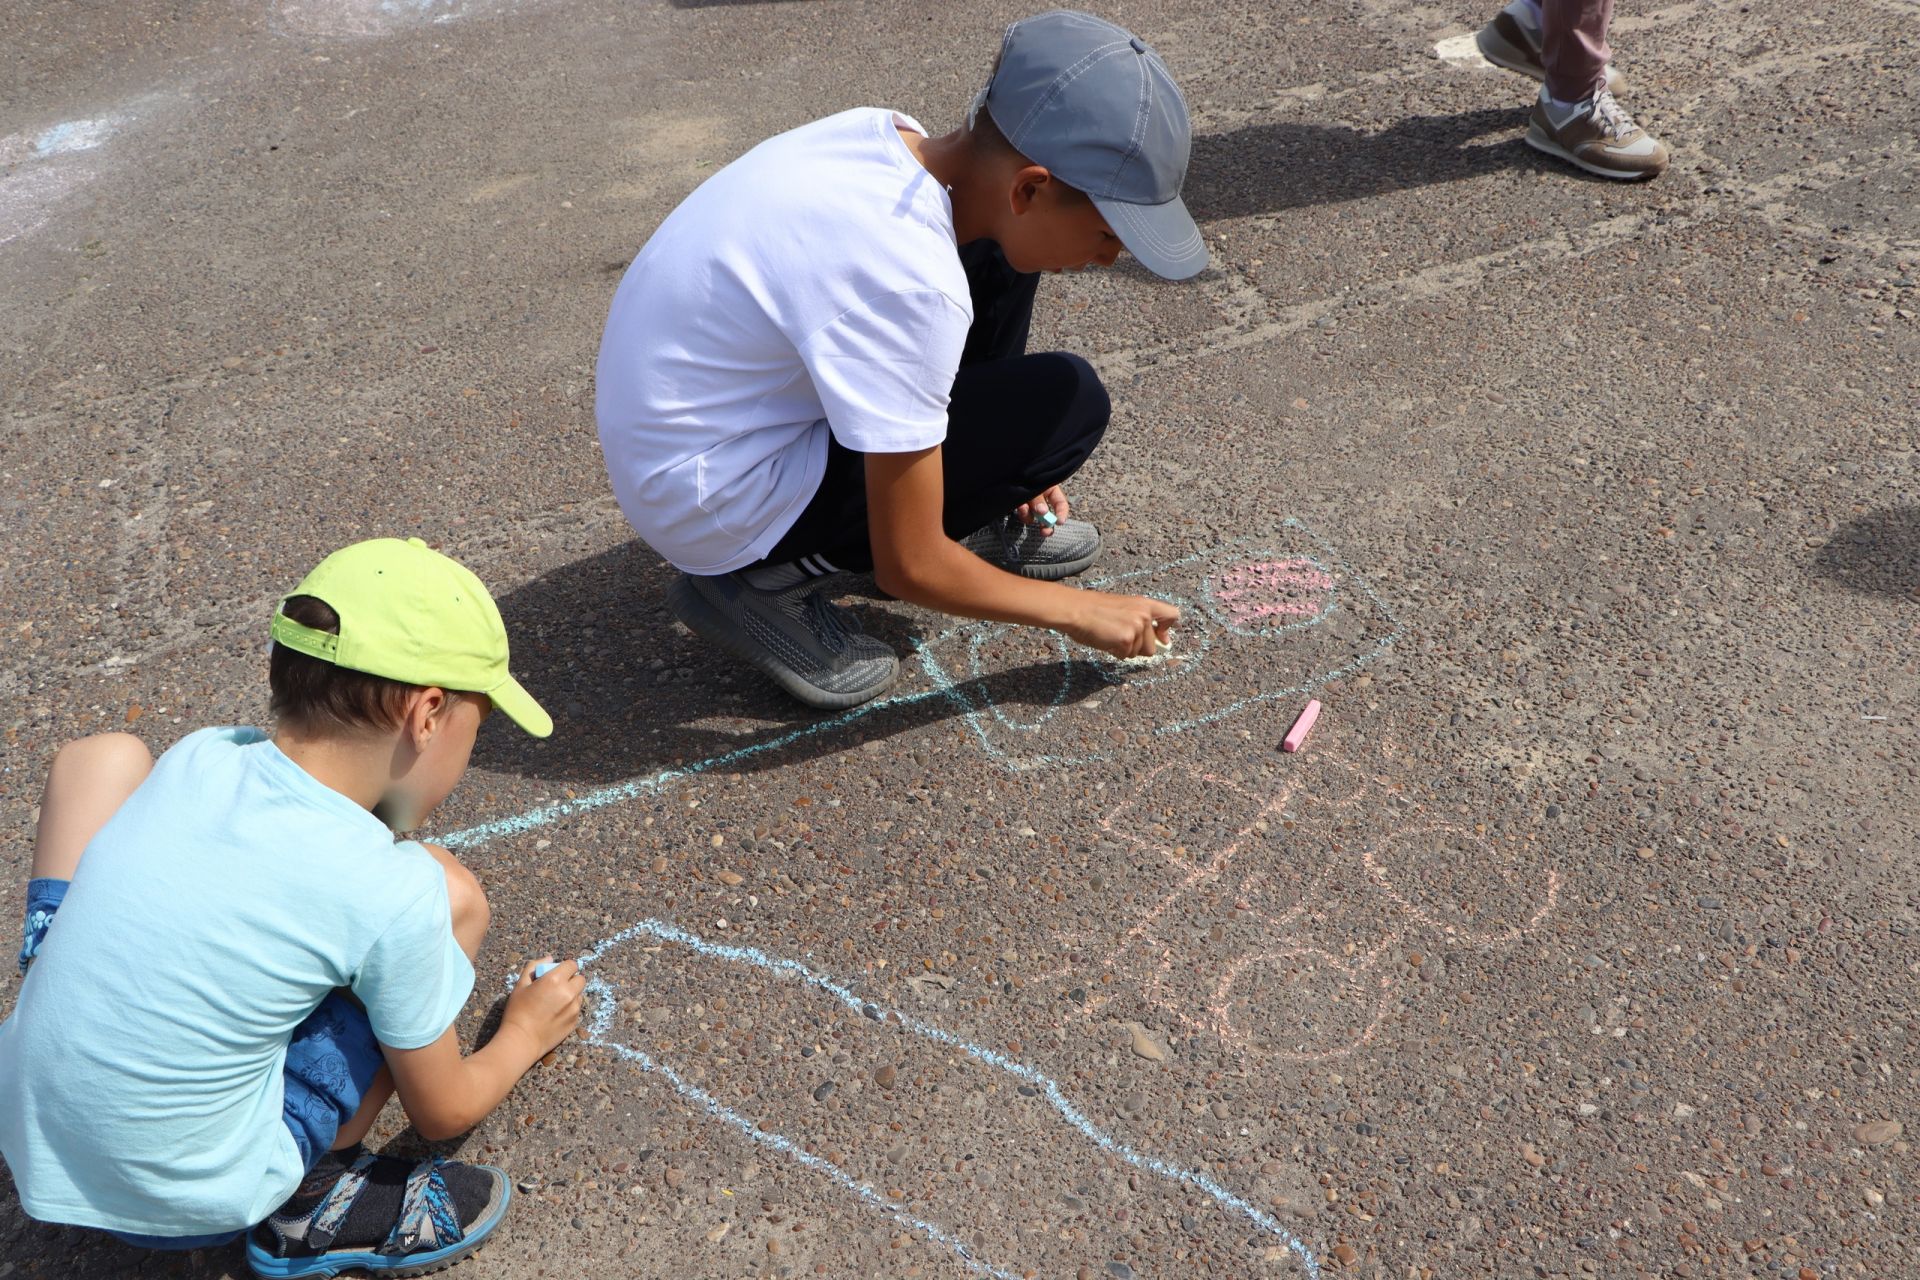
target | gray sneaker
[
  {"x": 812, "y": 647},
  {"x": 1025, "y": 550}
]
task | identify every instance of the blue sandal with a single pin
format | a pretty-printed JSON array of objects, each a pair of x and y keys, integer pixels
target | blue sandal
[{"x": 427, "y": 1236}]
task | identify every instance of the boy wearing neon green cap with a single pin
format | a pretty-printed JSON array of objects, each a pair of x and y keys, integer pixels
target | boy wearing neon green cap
[{"x": 247, "y": 964}]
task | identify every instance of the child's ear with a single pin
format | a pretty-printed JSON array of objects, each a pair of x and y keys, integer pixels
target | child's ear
[
  {"x": 1029, "y": 185},
  {"x": 427, "y": 714}
]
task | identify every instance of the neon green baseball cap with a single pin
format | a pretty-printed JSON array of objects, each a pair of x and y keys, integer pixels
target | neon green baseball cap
[{"x": 410, "y": 614}]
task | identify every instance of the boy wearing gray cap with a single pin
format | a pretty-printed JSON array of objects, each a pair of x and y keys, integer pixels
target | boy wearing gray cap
[{"x": 817, "y": 365}]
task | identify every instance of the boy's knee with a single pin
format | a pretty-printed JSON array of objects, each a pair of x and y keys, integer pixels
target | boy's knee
[
  {"x": 119, "y": 757},
  {"x": 471, "y": 913},
  {"x": 1088, "y": 405}
]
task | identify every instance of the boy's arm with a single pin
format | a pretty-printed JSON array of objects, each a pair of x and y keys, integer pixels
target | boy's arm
[
  {"x": 446, "y": 1094},
  {"x": 916, "y": 561}
]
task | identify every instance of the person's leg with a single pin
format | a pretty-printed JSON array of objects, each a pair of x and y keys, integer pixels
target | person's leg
[
  {"x": 1015, "y": 428},
  {"x": 471, "y": 914},
  {"x": 1573, "y": 47},
  {"x": 836, "y": 516},
  {"x": 88, "y": 782},
  {"x": 353, "y": 1131},
  {"x": 336, "y": 1079},
  {"x": 1577, "y": 117},
  {"x": 1514, "y": 36},
  {"x": 350, "y": 1199},
  {"x": 335, "y": 1068},
  {"x": 775, "y": 615}
]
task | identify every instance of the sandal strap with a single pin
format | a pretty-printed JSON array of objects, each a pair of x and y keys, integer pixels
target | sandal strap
[
  {"x": 428, "y": 1218},
  {"x": 324, "y": 1223}
]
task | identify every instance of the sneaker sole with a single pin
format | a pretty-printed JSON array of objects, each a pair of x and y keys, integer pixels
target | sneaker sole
[
  {"x": 705, "y": 621},
  {"x": 1496, "y": 49},
  {"x": 1048, "y": 572},
  {"x": 1539, "y": 141},
  {"x": 1055, "y": 572}
]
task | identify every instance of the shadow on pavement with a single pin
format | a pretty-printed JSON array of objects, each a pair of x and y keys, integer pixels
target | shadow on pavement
[
  {"x": 628, "y": 687},
  {"x": 1267, "y": 168},
  {"x": 1878, "y": 553}
]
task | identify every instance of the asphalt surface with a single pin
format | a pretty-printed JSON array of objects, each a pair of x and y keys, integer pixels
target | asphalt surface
[{"x": 1579, "y": 940}]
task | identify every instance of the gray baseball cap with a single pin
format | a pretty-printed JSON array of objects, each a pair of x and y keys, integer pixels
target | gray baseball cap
[{"x": 1095, "y": 105}]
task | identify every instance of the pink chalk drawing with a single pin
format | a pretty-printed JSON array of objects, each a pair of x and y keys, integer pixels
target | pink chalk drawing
[
  {"x": 1312, "y": 900},
  {"x": 1270, "y": 595},
  {"x": 1062, "y": 718}
]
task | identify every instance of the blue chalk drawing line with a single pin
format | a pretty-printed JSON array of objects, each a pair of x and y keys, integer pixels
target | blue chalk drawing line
[
  {"x": 600, "y": 1032},
  {"x": 981, "y": 714}
]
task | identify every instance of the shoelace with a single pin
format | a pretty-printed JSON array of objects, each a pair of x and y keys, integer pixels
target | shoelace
[
  {"x": 1012, "y": 534},
  {"x": 826, "y": 621},
  {"x": 1612, "y": 116}
]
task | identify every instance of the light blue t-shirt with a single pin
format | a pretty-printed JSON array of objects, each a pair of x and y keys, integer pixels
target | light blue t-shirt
[{"x": 140, "y": 1072}]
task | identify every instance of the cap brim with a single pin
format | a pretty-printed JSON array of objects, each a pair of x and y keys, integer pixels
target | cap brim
[
  {"x": 517, "y": 705},
  {"x": 1162, "y": 236}
]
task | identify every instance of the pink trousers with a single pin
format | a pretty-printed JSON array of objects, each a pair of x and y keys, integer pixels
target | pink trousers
[{"x": 1574, "y": 46}]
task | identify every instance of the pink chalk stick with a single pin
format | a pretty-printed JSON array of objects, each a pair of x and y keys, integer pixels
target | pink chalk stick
[{"x": 1302, "y": 727}]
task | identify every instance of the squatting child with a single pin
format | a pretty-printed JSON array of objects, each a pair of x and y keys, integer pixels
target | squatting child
[
  {"x": 818, "y": 365},
  {"x": 231, "y": 964}
]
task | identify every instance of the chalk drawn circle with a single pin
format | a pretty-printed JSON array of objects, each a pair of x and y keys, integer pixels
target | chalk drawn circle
[
  {"x": 1272, "y": 597},
  {"x": 978, "y": 671},
  {"x": 1191, "y": 642},
  {"x": 1470, "y": 891},
  {"x": 1283, "y": 873},
  {"x": 1300, "y": 1003}
]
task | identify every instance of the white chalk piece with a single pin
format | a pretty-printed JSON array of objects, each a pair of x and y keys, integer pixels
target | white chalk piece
[
  {"x": 1297, "y": 735},
  {"x": 544, "y": 968},
  {"x": 1280, "y": 585},
  {"x": 1161, "y": 648}
]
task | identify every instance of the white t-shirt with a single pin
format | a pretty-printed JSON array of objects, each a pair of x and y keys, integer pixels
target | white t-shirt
[{"x": 814, "y": 284}]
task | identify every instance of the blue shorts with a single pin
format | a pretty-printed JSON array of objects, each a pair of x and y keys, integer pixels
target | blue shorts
[{"x": 332, "y": 1059}]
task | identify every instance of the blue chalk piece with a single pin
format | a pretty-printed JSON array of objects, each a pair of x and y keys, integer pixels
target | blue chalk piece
[
  {"x": 1052, "y": 520},
  {"x": 544, "y": 968}
]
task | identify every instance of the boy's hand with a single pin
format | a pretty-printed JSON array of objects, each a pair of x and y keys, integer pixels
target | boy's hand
[
  {"x": 1053, "y": 500},
  {"x": 446, "y": 1094},
  {"x": 547, "y": 1009},
  {"x": 1124, "y": 626}
]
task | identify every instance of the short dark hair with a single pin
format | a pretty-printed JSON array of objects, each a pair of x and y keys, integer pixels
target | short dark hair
[
  {"x": 990, "y": 144},
  {"x": 985, "y": 135},
  {"x": 315, "y": 695}
]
